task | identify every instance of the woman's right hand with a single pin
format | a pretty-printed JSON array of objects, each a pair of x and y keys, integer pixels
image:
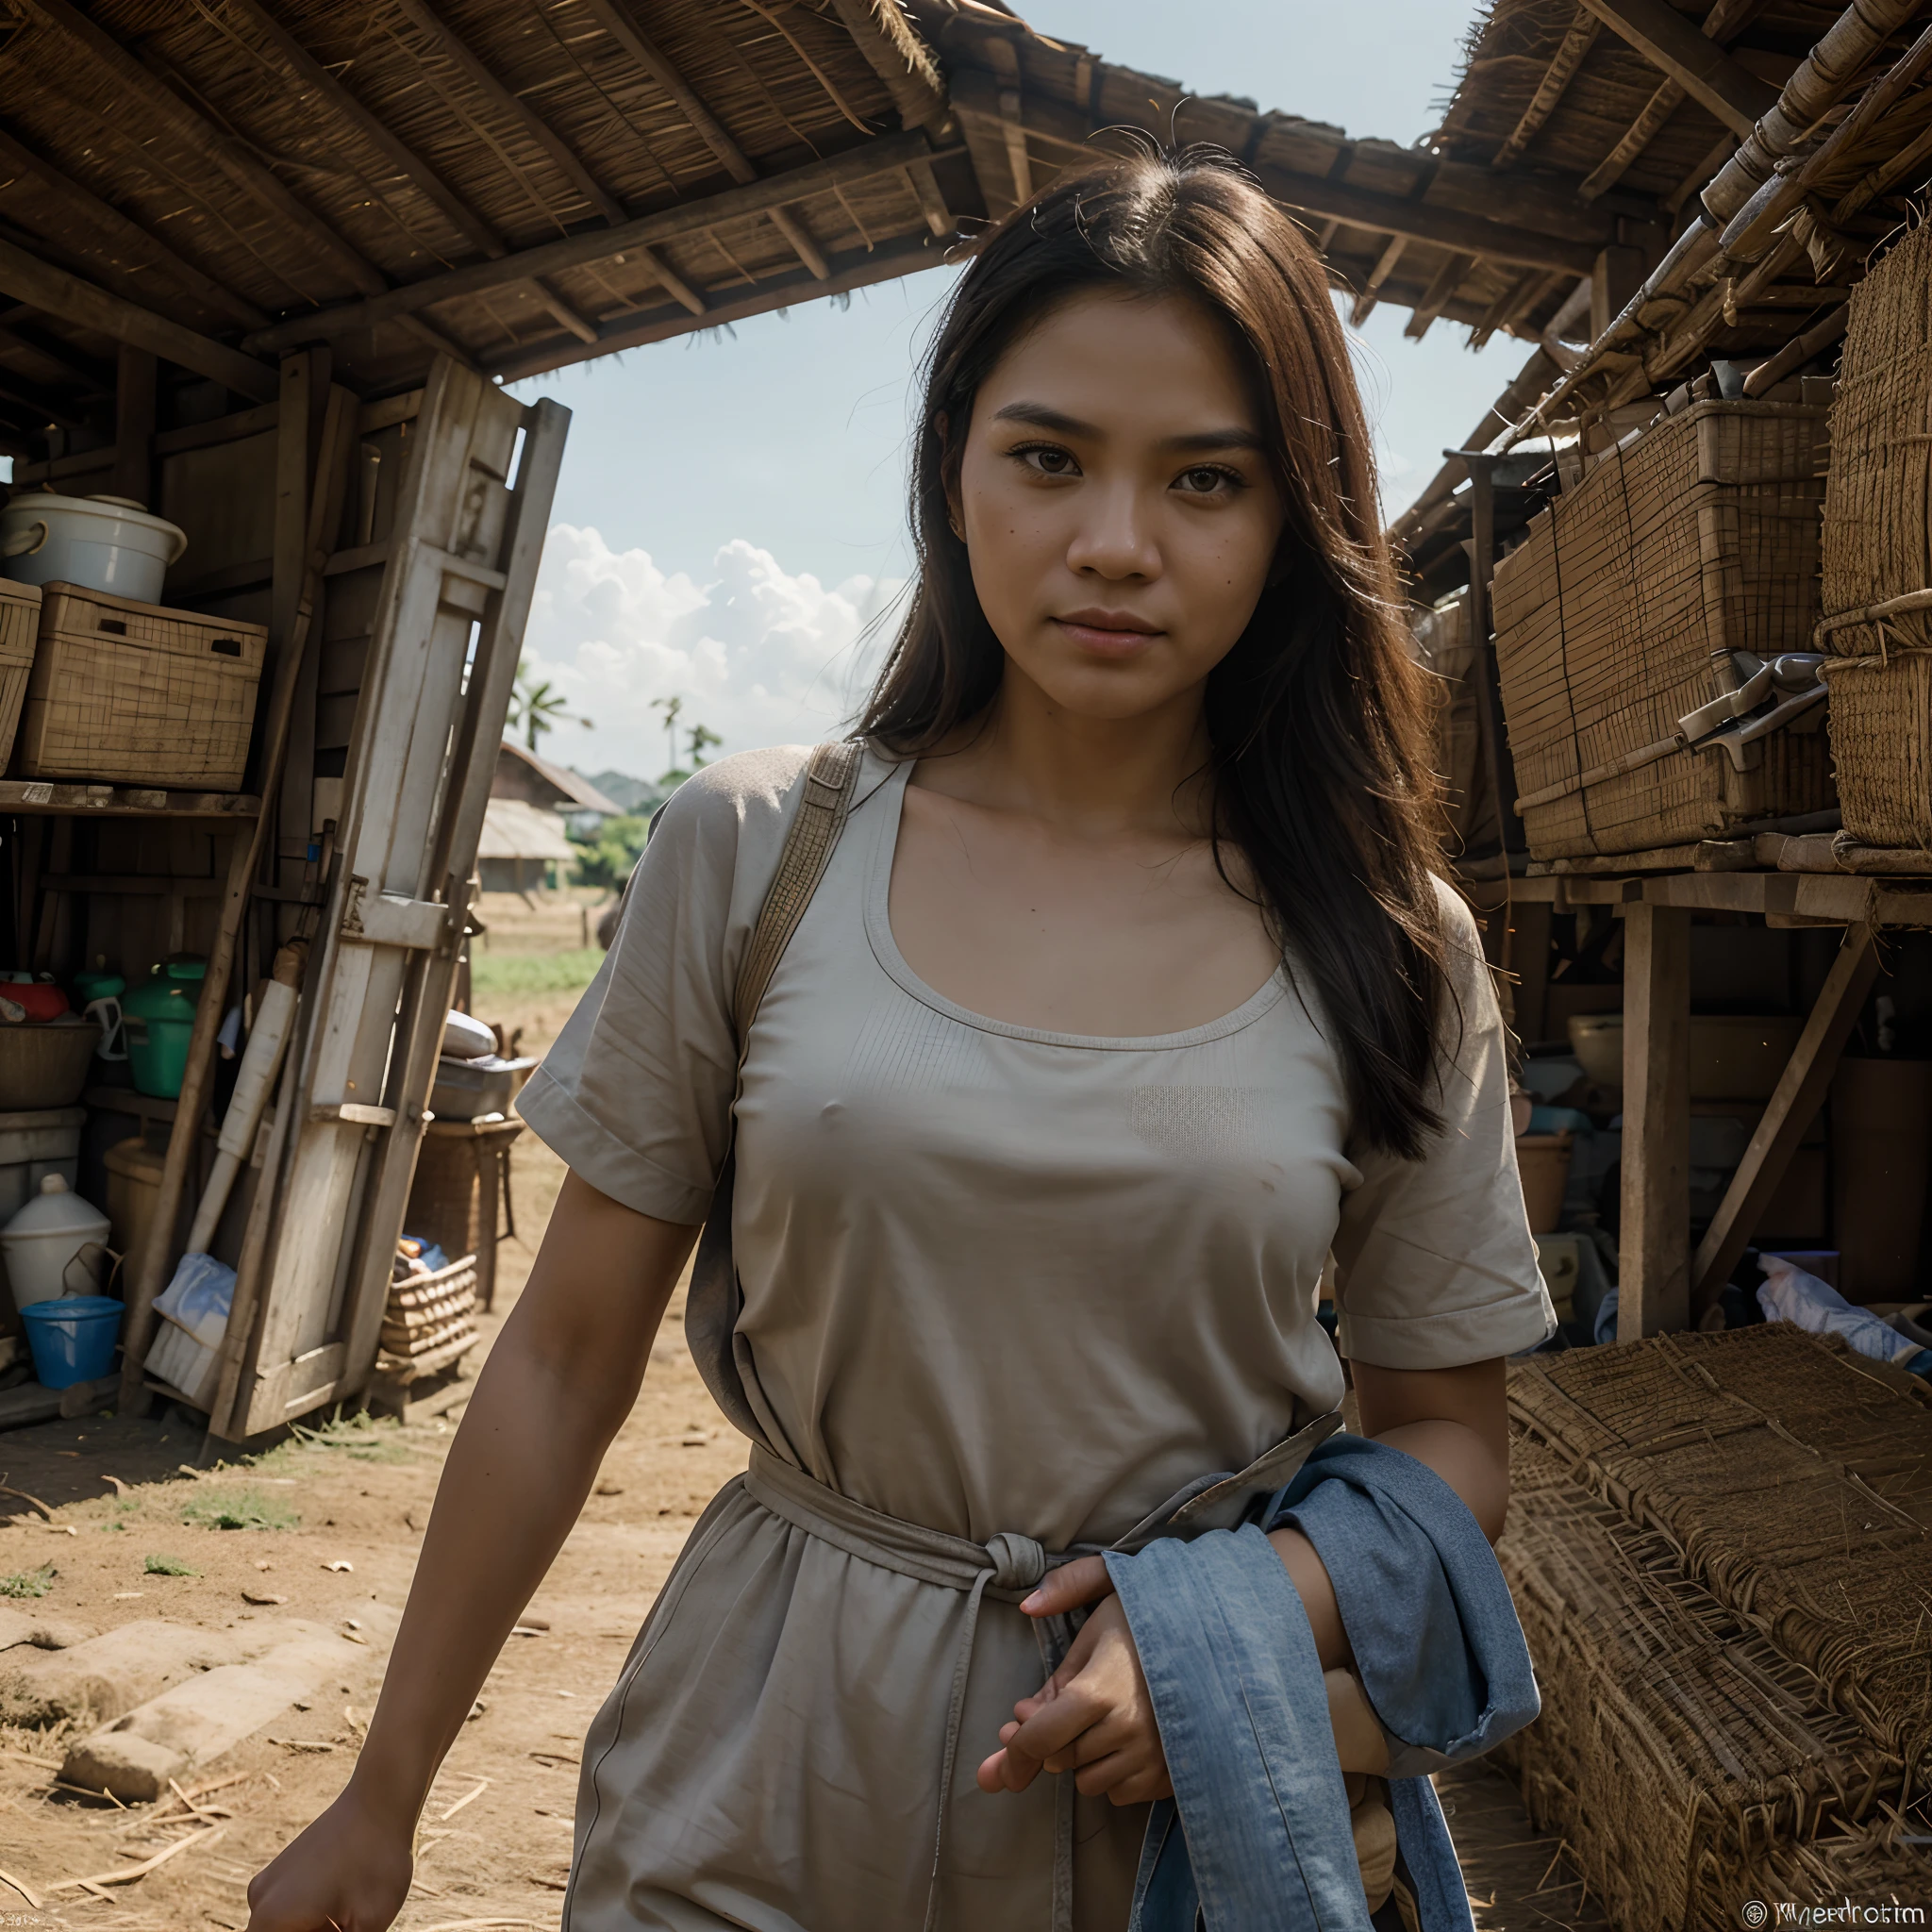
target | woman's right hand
[{"x": 350, "y": 1869}]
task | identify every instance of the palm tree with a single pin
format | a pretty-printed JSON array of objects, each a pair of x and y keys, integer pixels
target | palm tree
[
  {"x": 537, "y": 707},
  {"x": 671, "y": 706},
  {"x": 702, "y": 738}
]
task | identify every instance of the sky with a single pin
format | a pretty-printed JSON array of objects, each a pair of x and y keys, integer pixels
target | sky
[{"x": 729, "y": 524}]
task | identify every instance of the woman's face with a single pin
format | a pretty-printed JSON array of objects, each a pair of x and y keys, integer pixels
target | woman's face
[{"x": 1119, "y": 513}]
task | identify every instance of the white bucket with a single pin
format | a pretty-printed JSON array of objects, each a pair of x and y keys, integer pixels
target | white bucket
[
  {"x": 56, "y": 1246},
  {"x": 102, "y": 543}
]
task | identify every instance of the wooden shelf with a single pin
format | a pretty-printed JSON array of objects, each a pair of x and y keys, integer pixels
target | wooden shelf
[
  {"x": 1784, "y": 898},
  {"x": 122, "y": 801}
]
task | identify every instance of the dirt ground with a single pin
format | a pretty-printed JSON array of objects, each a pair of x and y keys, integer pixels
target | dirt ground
[{"x": 343, "y": 1510}]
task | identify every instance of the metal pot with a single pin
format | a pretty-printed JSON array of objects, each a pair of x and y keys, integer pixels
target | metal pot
[{"x": 97, "y": 543}]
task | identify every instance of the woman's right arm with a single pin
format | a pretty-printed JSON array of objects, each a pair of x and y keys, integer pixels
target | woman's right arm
[{"x": 560, "y": 1379}]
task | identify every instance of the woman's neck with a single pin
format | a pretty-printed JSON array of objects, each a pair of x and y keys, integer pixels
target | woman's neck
[{"x": 1086, "y": 775}]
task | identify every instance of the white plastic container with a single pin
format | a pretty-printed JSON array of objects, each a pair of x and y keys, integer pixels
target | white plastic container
[
  {"x": 43, "y": 1246},
  {"x": 102, "y": 544}
]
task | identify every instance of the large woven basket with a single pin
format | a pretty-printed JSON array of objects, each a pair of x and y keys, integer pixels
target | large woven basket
[
  {"x": 428, "y": 1321},
  {"x": 20, "y": 629},
  {"x": 1877, "y": 549},
  {"x": 1698, "y": 536},
  {"x": 133, "y": 695},
  {"x": 1721, "y": 1548}
]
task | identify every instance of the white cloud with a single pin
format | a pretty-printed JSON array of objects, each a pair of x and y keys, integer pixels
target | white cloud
[{"x": 759, "y": 655}]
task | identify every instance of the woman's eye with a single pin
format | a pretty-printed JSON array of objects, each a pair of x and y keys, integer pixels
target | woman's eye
[
  {"x": 1048, "y": 460},
  {"x": 1206, "y": 481}
]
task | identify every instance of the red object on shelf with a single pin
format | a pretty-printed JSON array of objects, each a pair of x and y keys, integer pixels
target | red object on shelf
[{"x": 41, "y": 998}]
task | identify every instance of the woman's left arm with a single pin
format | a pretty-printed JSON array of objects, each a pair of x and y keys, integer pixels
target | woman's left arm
[{"x": 1095, "y": 1718}]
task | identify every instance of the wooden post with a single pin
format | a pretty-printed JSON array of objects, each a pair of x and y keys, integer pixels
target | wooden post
[
  {"x": 1498, "y": 766},
  {"x": 1799, "y": 1094},
  {"x": 1654, "y": 1243},
  {"x": 1526, "y": 955},
  {"x": 134, "y": 426}
]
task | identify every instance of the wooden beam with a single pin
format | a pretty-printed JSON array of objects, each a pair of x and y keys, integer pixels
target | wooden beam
[
  {"x": 1635, "y": 138},
  {"x": 1677, "y": 48},
  {"x": 38, "y": 283},
  {"x": 1795, "y": 1102},
  {"x": 1384, "y": 268},
  {"x": 1724, "y": 22},
  {"x": 858, "y": 270},
  {"x": 1653, "y": 1238},
  {"x": 134, "y": 426},
  {"x": 1436, "y": 298},
  {"x": 1550, "y": 90},
  {"x": 1520, "y": 298},
  {"x": 228, "y": 158},
  {"x": 932, "y": 204},
  {"x": 429, "y": 23},
  {"x": 898, "y": 56},
  {"x": 86, "y": 210},
  {"x": 881, "y": 156}
]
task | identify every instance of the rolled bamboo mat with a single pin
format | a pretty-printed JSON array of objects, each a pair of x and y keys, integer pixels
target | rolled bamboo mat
[
  {"x": 1700, "y": 534},
  {"x": 1876, "y": 549}
]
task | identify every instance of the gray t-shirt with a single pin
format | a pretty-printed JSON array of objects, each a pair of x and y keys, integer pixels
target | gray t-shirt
[{"x": 1002, "y": 1279}]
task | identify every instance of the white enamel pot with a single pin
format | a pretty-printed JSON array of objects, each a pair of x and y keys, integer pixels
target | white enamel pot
[{"x": 99, "y": 543}]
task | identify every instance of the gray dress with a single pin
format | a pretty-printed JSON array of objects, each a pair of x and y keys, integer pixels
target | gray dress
[{"x": 995, "y": 1281}]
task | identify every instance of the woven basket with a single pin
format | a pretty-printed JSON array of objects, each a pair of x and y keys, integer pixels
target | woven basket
[
  {"x": 131, "y": 695},
  {"x": 428, "y": 1322},
  {"x": 1440, "y": 641},
  {"x": 20, "y": 630},
  {"x": 1679, "y": 1753},
  {"x": 1877, "y": 547},
  {"x": 1700, "y": 535}
]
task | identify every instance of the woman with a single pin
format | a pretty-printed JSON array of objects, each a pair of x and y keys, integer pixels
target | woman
[{"x": 1127, "y": 995}]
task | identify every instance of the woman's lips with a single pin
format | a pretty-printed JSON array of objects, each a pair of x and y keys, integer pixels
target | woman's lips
[{"x": 1104, "y": 635}]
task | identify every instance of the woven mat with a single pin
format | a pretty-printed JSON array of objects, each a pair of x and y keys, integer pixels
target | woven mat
[{"x": 1721, "y": 1547}]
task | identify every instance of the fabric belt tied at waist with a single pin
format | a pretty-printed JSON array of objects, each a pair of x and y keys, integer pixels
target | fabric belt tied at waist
[{"x": 1008, "y": 1568}]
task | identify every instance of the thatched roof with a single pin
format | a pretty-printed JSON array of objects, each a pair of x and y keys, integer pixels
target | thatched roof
[{"x": 524, "y": 183}]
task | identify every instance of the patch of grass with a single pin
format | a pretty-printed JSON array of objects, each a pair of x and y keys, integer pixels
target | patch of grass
[
  {"x": 364, "y": 1438},
  {"x": 524, "y": 972},
  {"x": 167, "y": 1566},
  {"x": 239, "y": 1509},
  {"x": 28, "y": 1582}
]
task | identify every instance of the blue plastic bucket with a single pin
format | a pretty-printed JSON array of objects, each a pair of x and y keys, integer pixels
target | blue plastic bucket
[{"x": 73, "y": 1339}]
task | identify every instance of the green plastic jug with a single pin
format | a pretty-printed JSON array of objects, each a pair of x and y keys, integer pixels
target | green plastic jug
[{"x": 159, "y": 1016}]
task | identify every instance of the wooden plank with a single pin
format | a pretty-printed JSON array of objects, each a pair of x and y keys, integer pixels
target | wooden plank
[
  {"x": 1673, "y": 46},
  {"x": 134, "y": 426},
  {"x": 325, "y": 509},
  {"x": 885, "y": 156},
  {"x": 472, "y": 767},
  {"x": 1654, "y": 1239},
  {"x": 122, "y": 801},
  {"x": 1793, "y": 1105},
  {"x": 29, "y": 280}
]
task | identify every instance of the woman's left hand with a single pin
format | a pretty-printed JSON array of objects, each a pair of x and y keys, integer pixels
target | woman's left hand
[{"x": 1093, "y": 1715}]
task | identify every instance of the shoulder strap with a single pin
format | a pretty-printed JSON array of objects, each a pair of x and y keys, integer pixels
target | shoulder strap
[
  {"x": 829, "y": 779},
  {"x": 713, "y": 1304}
]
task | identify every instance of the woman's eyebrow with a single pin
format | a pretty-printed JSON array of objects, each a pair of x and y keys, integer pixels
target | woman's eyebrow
[{"x": 1042, "y": 417}]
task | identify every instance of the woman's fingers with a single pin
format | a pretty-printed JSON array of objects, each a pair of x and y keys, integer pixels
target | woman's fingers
[{"x": 1082, "y": 1581}]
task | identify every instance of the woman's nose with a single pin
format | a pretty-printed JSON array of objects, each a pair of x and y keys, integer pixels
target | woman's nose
[{"x": 1115, "y": 535}]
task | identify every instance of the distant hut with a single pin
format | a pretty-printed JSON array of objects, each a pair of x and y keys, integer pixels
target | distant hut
[{"x": 526, "y": 825}]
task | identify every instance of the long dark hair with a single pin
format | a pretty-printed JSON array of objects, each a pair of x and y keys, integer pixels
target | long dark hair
[{"x": 1316, "y": 718}]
